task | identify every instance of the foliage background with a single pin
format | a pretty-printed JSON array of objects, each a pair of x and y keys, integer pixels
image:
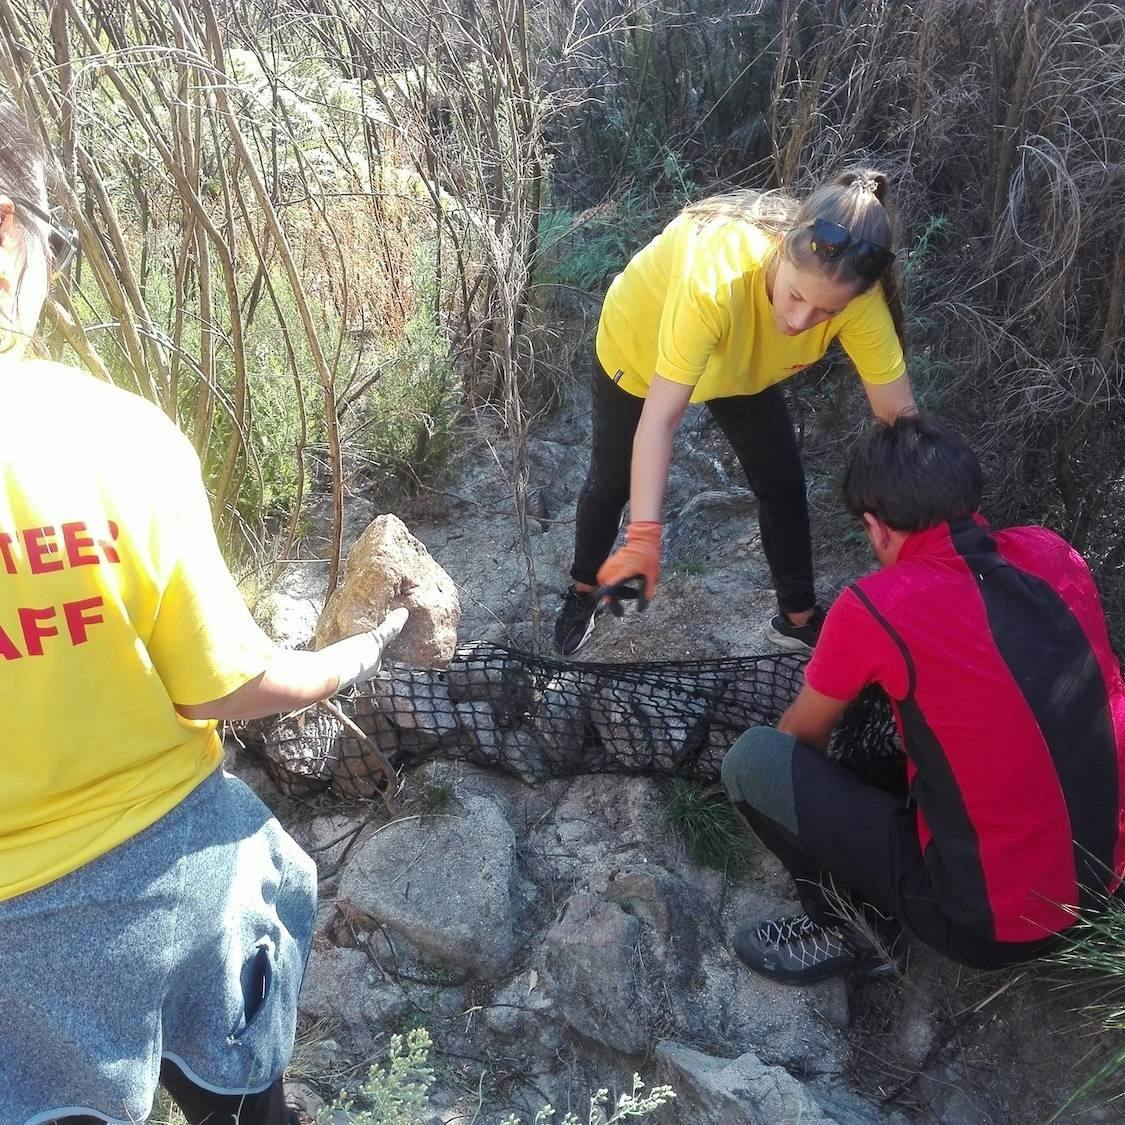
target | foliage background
[{"x": 324, "y": 234}]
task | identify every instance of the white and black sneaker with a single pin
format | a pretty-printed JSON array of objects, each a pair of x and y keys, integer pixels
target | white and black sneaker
[
  {"x": 796, "y": 638},
  {"x": 797, "y": 950},
  {"x": 576, "y": 620}
]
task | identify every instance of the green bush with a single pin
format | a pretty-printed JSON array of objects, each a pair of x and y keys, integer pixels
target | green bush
[
  {"x": 1093, "y": 964},
  {"x": 393, "y": 1094},
  {"x": 397, "y": 1093},
  {"x": 704, "y": 819}
]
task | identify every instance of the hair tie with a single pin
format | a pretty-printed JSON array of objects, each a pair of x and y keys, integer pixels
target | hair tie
[{"x": 868, "y": 183}]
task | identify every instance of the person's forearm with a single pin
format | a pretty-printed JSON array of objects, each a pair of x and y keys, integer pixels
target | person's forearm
[
  {"x": 789, "y": 723},
  {"x": 292, "y": 681},
  {"x": 295, "y": 679},
  {"x": 648, "y": 478},
  {"x": 890, "y": 400}
]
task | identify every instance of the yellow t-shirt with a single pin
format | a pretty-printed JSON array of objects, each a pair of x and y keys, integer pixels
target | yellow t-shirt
[
  {"x": 114, "y": 602},
  {"x": 692, "y": 307}
]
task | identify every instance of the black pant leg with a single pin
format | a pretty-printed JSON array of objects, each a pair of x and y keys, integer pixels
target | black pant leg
[
  {"x": 201, "y": 1107},
  {"x": 761, "y": 433},
  {"x": 823, "y": 822},
  {"x": 614, "y": 420}
]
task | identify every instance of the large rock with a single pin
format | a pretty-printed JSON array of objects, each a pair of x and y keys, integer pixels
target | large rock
[
  {"x": 715, "y": 1091},
  {"x": 521, "y": 1012},
  {"x": 559, "y": 722},
  {"x": 343, "y": 989},
  {"x": 589, "y": 957},
  {"x": 386, "y": 569},
  {"x": 655, "y": 728},
  {"x": 444, "y": 883},
  {"x": 482, "y": 673}
]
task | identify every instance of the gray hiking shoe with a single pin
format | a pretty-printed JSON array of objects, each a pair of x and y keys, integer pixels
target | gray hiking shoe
[{"x": 797, "y": 950}]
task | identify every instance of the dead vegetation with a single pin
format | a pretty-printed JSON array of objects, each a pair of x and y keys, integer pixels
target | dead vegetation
[{"x": 332, "y": 220}]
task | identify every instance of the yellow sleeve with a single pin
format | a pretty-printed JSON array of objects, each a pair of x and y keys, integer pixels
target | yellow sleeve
[
  {"x": 871, "y": 342},
  {"x": 204, "y": 643},
  {"x": 692, "y": 321}
]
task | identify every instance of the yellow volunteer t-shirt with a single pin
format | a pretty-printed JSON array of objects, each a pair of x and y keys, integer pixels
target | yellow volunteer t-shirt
[
  {"x": 692, "y": 307},
  {"x": 114, "y": 603}
]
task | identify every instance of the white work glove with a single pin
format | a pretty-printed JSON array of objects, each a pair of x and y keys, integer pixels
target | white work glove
[{"x": 358, "y": 658}]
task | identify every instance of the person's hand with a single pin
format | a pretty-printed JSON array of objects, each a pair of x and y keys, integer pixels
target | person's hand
[
  {"x": 639, "y": 558},
  {"x": 359, "y": 658}
]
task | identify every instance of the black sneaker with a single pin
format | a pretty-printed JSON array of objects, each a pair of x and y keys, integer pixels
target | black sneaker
[
  {"x": 796, "y": 950},
  {"x": 576, "y": 620},
  {"x": 796, "y": 638}
]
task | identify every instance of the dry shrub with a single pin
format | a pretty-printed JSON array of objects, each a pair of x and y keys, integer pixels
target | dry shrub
[{"x": 1003, "y": 127}]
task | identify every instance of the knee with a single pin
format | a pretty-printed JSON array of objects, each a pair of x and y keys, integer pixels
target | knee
[
  {"x": 758, "y": 771},
  {"x": 782, "y": 485},
  {"x": 748, "y": 761}
]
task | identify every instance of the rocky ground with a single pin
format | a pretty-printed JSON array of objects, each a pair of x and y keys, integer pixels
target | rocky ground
[{"x": 557, "y": 938}]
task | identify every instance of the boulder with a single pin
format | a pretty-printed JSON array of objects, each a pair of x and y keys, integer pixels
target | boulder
[
  {"x": 343, "y": 988},
  {"x": 520, "y": 754},
  {"x": 521, "y": 1011},
  {"x": 300, "y": 749},
  {"x": 559, "y": 723},
  {"x": 589, "y": 959},
  {"x": 444, "y": 883},
  {"x": 413, "y": 699},
  {"x": 386, "y": 569},
  {"x": 654, "y": 728},
  {"x": 481, "y": 673},
  {"x": 717, "y": 1091}
]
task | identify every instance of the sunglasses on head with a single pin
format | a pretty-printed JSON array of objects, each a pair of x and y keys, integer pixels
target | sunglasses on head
[
  {"x": 831, "y": 242},
  {"x": 62, "y": 242}
]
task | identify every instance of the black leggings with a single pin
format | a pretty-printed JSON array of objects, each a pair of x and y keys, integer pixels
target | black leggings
[
  {"x": 759, "y": 430},
  {"x": 201, "y": 1107}
]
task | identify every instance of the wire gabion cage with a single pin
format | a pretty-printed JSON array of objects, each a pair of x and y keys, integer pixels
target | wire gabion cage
[{"x": 539, "y": 718}]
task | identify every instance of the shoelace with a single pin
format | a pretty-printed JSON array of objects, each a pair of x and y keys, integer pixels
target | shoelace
[{"x": 781, "y": 931}]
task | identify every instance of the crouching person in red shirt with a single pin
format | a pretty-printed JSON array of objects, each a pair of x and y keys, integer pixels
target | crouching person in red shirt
[{"x": 994, "y": 651}]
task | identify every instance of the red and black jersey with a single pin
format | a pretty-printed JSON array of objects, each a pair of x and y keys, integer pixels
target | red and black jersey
[{"x": 1010, "y": 704}]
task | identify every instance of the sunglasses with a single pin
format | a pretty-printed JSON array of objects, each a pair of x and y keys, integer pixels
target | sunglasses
[
  {"x": 831, "y": 242},
  {"x": 61, "y": 241}
]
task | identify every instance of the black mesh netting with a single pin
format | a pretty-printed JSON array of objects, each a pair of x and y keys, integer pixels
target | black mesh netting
[{"x": 538, "y": 718}]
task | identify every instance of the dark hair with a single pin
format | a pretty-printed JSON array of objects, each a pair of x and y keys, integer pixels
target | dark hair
[
  {"x": 857, "y": 200},
  {"x": 913, "y": 473},
  {"x": 24, "y": 165}
]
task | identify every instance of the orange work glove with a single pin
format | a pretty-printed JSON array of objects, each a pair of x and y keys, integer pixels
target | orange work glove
[{"x": 639, "y": 558}]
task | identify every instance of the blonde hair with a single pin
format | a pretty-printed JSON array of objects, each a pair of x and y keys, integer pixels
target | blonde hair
[{"x": 856, "y": 199}]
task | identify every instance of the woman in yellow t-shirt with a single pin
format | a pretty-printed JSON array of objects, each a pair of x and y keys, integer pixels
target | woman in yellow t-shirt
[
  {"x": 734, "y": 296},
  {"x": 155, "y": 918}
]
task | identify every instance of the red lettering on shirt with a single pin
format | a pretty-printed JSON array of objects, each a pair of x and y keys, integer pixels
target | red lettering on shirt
[
  {"x": 7, "y": 649},
  {"x": 77, "y": 619},
  {"x": 33, "y": 631},
  {"x": 42, "y": 550},
  {"x": 6, "y": 541},
  {"x": 77, "y": 540},
  {"x": 110, "y": 554}
]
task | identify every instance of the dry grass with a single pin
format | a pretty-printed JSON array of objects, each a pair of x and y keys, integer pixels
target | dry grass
[{"x": 1015, "y": 136}]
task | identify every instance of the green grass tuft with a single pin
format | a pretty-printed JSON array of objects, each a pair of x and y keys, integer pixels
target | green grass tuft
[
  {"x": 711, "y": 831},
  {"x": 1093, "y": 964}
]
